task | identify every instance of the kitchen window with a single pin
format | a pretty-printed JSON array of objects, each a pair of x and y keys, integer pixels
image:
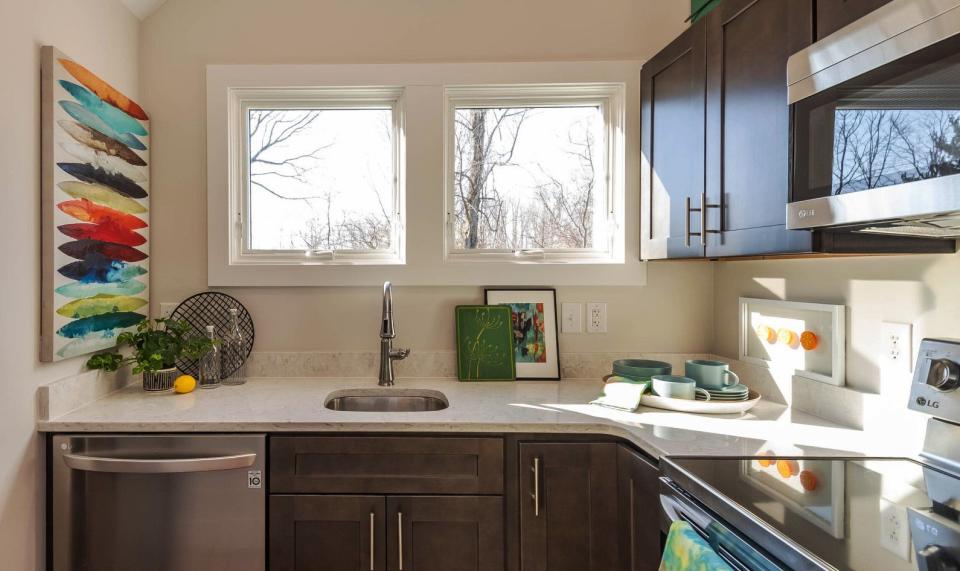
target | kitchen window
[
  {"x": 533, "y": 173},
  {"x": 318, "y": 177},
  {"x": 343, "y": 174}
]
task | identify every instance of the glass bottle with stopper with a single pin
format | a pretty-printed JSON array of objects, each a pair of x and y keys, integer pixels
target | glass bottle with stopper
[
  {"x": 210, "y": 363},
  {"x": 233, "y": 362}
]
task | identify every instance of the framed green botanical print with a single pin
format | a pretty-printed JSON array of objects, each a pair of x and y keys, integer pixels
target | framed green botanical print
[{"x": 484, "y": 343}]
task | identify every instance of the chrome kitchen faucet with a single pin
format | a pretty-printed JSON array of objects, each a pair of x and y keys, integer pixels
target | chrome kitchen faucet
[{"x": 387, "y": 353}]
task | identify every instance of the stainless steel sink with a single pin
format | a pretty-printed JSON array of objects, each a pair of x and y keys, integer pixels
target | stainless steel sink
[{"x": 387, "y": 400}]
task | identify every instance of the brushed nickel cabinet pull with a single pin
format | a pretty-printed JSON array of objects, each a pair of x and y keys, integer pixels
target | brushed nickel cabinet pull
[
  {"x": 704, "y": 207},
  {"x": 400, "y": 539},
  {"x": 536, "y": 486},
  {"x": 372, "y": 541}
]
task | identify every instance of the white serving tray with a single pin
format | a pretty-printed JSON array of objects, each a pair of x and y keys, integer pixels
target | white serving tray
[{"x": 701, "y": 407}]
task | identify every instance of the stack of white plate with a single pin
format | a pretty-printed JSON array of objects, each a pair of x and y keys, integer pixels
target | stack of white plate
[{"x": 733, "y": 393}]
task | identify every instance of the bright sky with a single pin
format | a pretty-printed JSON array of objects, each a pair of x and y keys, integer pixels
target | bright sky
[{"x": 356, "y": 164}]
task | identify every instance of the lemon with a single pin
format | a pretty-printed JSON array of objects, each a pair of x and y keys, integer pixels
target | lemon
[{"x": 184, "y": 384}]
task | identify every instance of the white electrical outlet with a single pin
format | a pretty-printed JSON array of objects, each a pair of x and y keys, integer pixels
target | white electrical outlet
[
  {"x": 897, "y": 346},
  {"x": 166, "y": 308},
  {"x": 572, "y": 321},
  {"x": 596, "y": 317},
  {"x": 894, "y": 529}
]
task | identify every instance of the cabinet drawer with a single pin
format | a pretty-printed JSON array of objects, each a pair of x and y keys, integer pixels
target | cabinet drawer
[{"x": 386, "y": 465}]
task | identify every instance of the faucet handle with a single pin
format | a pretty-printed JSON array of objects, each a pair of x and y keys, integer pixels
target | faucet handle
[{"x": 399, "y": 354}]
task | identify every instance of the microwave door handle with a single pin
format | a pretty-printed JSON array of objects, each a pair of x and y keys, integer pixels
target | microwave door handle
[{"x": 158, "y": 465}]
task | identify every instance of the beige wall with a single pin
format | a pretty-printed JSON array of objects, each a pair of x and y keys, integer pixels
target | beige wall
[
  {"x": 184, "y": 36},
  {"x": 103, "y": 35},
  {"x": 906, "y": 289}
]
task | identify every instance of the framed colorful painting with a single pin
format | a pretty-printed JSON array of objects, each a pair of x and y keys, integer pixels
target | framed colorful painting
[
  {"x": 95, "y": 202},
  {"x": 484, "y": 343},
  {"x": 534, "y": 324}
]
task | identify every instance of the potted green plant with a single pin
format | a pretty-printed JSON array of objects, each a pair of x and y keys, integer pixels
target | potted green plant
[{"x": 156, "y": 345}]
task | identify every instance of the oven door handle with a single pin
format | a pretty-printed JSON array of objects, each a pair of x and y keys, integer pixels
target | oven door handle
[
  {"x": 678, "y": 510},
  {"x": 158, "y": 465}
]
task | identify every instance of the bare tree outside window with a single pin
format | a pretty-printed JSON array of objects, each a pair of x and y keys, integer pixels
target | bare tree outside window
[
  {"x": 320, "y": 179},
  {"x": 526, "y": 177}
]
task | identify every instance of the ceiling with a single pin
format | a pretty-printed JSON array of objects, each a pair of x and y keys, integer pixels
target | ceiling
[{"x": 143, "y": 8}]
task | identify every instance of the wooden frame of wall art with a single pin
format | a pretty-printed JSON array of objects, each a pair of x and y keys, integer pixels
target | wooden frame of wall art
[{"x": 534, "y": 325}]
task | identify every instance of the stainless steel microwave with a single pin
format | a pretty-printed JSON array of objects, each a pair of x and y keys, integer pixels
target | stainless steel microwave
[{"x": 876, "y": 124}]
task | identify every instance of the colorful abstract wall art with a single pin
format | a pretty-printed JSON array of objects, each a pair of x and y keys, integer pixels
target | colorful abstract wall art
[
  {"x": 533, "y": 324},
  {"x": 95, "y": 185}
]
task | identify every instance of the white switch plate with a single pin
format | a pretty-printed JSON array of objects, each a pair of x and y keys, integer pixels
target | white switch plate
[
  {"x": 897, "y": 346},
  {"x": 572, "y": 321},
  {"x": 596, "y": 317},
  {"x": 166, "y": 308},
  {"x": 894, "y": 529}
]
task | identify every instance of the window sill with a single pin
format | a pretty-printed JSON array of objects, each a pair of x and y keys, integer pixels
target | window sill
[{"x": 631, "y": 273}]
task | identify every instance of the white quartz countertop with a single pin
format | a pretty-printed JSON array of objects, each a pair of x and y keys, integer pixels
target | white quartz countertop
[{"x": 297, "y": 405}]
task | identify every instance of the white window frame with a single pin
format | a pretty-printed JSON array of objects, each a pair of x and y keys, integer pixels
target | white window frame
[
  {"x": 610, "y": 98},
  {"x": 421, "y": 175},
  {"x": 243, "y": 100}
]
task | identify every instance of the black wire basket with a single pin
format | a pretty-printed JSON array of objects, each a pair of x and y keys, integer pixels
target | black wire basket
[{"x": 213, "y": 308}]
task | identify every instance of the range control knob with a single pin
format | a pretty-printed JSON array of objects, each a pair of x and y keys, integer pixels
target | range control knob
[
  {"x": 944, "y": 375},
  {"x": 935, "y": 558}
]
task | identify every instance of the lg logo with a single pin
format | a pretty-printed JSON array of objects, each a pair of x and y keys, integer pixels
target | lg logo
[{"x": 929, "y": 404}]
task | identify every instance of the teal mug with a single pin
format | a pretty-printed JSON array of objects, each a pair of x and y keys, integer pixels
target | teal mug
[
  {"x": 674, "y": 387},
  {"x": 713, "y": 375},
  {"x": 640, "y": 369}
]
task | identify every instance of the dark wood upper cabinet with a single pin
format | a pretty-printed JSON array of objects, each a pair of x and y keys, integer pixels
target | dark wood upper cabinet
[
  {"x": 748, "y": 124},
  {"x": 436, "y": 533},
  {"x": 327, "y": 533},
  {"x": 673, "y": 99},
  {"x": 568, "y": 507},
  {"x": 835, "y": 14},
  {"x": 639, "y": 511}
]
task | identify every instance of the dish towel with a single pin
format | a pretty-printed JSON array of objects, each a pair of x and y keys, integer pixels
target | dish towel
[
  {"x": 621, "y": 395},
  {"x": 686, "y": 550}
]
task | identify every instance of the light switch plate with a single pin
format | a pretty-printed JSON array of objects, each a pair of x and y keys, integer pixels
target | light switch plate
[
  {"x": 572, "y": 321},
  {"x": 897, "y": 346}
]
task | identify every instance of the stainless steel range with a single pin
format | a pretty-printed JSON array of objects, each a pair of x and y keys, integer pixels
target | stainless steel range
[{"x": 781, "y": 512}]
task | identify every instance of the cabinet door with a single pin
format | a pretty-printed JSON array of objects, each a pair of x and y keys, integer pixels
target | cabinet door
[
  {"x": 327, "y": 533},
  {"x": 673, "y": 95},
  {"x": 748, "y": 124},
  {"x": 568, "y": 507},
  {"x": 639, "y": 510},
  {"x": 835, "y": 14},
  {"x": 445, "y": 533}
]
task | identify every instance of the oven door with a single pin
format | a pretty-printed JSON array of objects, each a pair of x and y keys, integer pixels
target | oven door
[
  {"x": 877, "y": 128},
  {"x": 735, "y": 550}
]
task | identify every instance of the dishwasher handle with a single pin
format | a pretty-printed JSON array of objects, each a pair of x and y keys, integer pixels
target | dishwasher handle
[{"x": 158, "y": 465}]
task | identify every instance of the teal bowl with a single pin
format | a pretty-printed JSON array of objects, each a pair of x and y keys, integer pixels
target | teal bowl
[{"x": 640, "y": 369}]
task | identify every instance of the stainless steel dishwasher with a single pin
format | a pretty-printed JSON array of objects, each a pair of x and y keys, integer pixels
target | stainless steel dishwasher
[{"x": 158, "y": 503}]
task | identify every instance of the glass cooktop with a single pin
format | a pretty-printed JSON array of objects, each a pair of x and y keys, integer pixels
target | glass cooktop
[{"x": 849, "y": 513}]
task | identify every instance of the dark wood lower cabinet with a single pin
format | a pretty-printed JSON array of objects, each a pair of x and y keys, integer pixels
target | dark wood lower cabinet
[
  {"x": 327, "y": 533},
  {"x": 376, "y": 533},
  {"x": 454, "y": 533},
  {"x": 639, "y": 511},
  {"x": 568, "y": 507}
]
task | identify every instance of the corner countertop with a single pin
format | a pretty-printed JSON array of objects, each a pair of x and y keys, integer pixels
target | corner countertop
[{"x": 297, "y": 405}]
